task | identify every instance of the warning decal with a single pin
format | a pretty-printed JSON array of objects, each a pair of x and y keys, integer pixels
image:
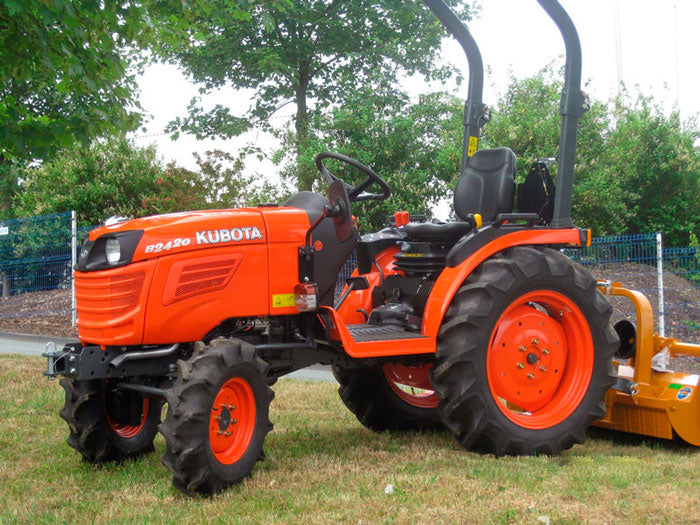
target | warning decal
[{"x": 282, "y": 300}]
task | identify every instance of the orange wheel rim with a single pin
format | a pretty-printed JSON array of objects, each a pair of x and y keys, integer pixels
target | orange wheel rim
[
  {"x": 129, "y": 431},
  {"x": 232, "y": 421},
  {"x": 411, "y": 384},
  {"x": 540, "y": 359}
]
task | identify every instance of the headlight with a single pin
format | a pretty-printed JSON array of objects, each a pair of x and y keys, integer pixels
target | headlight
[
  {"x": 113, "y": 251},
  {"x": 108, "y": 251}
]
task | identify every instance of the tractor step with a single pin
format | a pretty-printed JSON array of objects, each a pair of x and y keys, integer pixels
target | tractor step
[
  {"x": 363, "y": 333},
  {"x": 375, "y": 340}
]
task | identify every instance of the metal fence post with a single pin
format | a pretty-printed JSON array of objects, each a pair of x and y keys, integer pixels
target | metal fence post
[
  {"x": 73, "y": 262},
  {"x": 660, "y": 277}
]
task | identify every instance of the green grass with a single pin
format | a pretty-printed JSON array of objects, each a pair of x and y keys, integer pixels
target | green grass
[{"x": 323, "y": 467}]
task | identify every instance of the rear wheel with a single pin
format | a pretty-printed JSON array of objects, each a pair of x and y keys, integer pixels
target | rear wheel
[
  {"x": 108, "y": 424},
  {"x": 217, "y": 417},
  {"x": 392, "y": 396},
  {"x": 524, "y": 355}
]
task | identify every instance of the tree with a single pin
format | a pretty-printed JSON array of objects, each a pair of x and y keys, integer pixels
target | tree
[
  {"x": 414, "y": 147},
  {"x": 526, "y": 119},
  {"x": 229, "y": 184},
  {"x": 658, "y": 165},
  {"x": 637, "y": 168},
  {"x": 310, "y": 53},
  {"x": 64, "y": 73},
  {"x": 107, "y": 178},
  {"x": 114, "y": 177},
  {"x": 9, "y": 184}
]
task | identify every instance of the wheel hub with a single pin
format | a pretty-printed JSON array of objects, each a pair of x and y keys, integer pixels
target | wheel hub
[
  {"x": 232, "y": 420},
  {"x": 224, "y": 419},
  {"x": 527, "y": 358},
  {"x": 126, "y": 416}
]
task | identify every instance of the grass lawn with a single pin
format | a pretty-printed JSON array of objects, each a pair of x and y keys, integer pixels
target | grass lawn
[{"x": 323, "y": 467}]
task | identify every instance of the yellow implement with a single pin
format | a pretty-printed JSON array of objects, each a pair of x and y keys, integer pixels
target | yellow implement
[{"x": 658, "y": 404}]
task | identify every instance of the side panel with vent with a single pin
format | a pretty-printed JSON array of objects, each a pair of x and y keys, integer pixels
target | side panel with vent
[
  {"x": 194, "y": 292},
  {"x": 200, "y": 275}
]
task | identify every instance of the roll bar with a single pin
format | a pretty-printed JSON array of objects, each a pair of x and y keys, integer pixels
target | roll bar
[
  {"x": 573, "y": 103},
  {"x": 475, "y": 112}
]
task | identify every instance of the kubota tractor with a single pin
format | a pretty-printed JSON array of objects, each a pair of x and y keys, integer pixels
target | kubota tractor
[{"x": 481, "y": 325}]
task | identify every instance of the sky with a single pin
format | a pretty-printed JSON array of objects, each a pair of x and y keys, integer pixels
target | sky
[{"x": 515, "y": 36}]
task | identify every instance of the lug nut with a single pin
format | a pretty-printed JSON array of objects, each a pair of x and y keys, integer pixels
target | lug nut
[
  {"x": 522, "y": 348},
  {"x": 535, "y": 341},
  {"x": 520, "y": 365},
  {"x": 227, "y": 434},
  {"x": 233, "y": 421},
  {"x": 219, "y": 432},
  {"x": 543, "y": 368},
  {"x": 531, "y": 376},
  {"x": 545, "y": 351},
  {"x": 217, "y": 418}
]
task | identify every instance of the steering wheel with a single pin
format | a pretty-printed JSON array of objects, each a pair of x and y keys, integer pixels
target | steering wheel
[{"x": 355, "y": 193}]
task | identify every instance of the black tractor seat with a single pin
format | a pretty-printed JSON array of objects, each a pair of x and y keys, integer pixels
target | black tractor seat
[
  {"x": 487, "y": 187},
  {"x": 437, "y": 232}
]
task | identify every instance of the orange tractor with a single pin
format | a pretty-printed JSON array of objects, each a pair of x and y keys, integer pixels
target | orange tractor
[{"x": 481, "y": 325}]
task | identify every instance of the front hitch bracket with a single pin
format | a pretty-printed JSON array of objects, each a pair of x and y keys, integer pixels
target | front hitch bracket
[{"x": 92, "y": 362}]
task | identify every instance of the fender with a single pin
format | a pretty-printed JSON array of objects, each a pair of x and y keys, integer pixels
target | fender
[{"x": 452, "y": 278}]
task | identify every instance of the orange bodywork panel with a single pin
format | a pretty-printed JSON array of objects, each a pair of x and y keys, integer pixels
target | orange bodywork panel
[
  {"x": 451, "y": 279},
  {"x": 111, "y": 303},
  {"x": 191, "y": 271},
  {"x": 349, "y": 311},
  {"x": 221, "y": 283},
  {"x": 339, "y": 331},
  {"x": 287, "y": 229},
  {"x": 439, "y": 299}
]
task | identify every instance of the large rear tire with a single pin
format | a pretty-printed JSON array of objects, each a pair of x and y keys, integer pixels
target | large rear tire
[
  {"x": 217, "y": 417},
  {"x": 524, "y": 355},
  {"x": 390, "y": 396},
  {"x": 107, "y": 424}
]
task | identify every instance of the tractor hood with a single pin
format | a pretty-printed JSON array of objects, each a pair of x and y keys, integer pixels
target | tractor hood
[{"x": 141, "y": 239}]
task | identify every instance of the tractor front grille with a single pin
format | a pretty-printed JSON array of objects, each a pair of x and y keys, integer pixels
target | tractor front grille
[{"x": 110, "y": 305}]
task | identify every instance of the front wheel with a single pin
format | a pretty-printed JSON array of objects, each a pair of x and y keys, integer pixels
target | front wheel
[
  {"x": 524, "y": 355},
  {"x": 217, "y": 417},
  {"x": 106, "y": 423}
]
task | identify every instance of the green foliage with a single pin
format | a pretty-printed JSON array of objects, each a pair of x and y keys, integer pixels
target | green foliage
[
  {"x": 230, "y": 187},
  {"x": 414, "y": 147},
  {"x": 526, "y": 119},
  {"x": 656, "y": 159},
  {"x": 64, "y": 72},
  {"x": 117, "y": 178},
  {"x": 637, "y": 169},
  {"x": 104, "y": 179},
  {"x": 310, "y": 53},
  {"x": 9, "y": 185}
]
